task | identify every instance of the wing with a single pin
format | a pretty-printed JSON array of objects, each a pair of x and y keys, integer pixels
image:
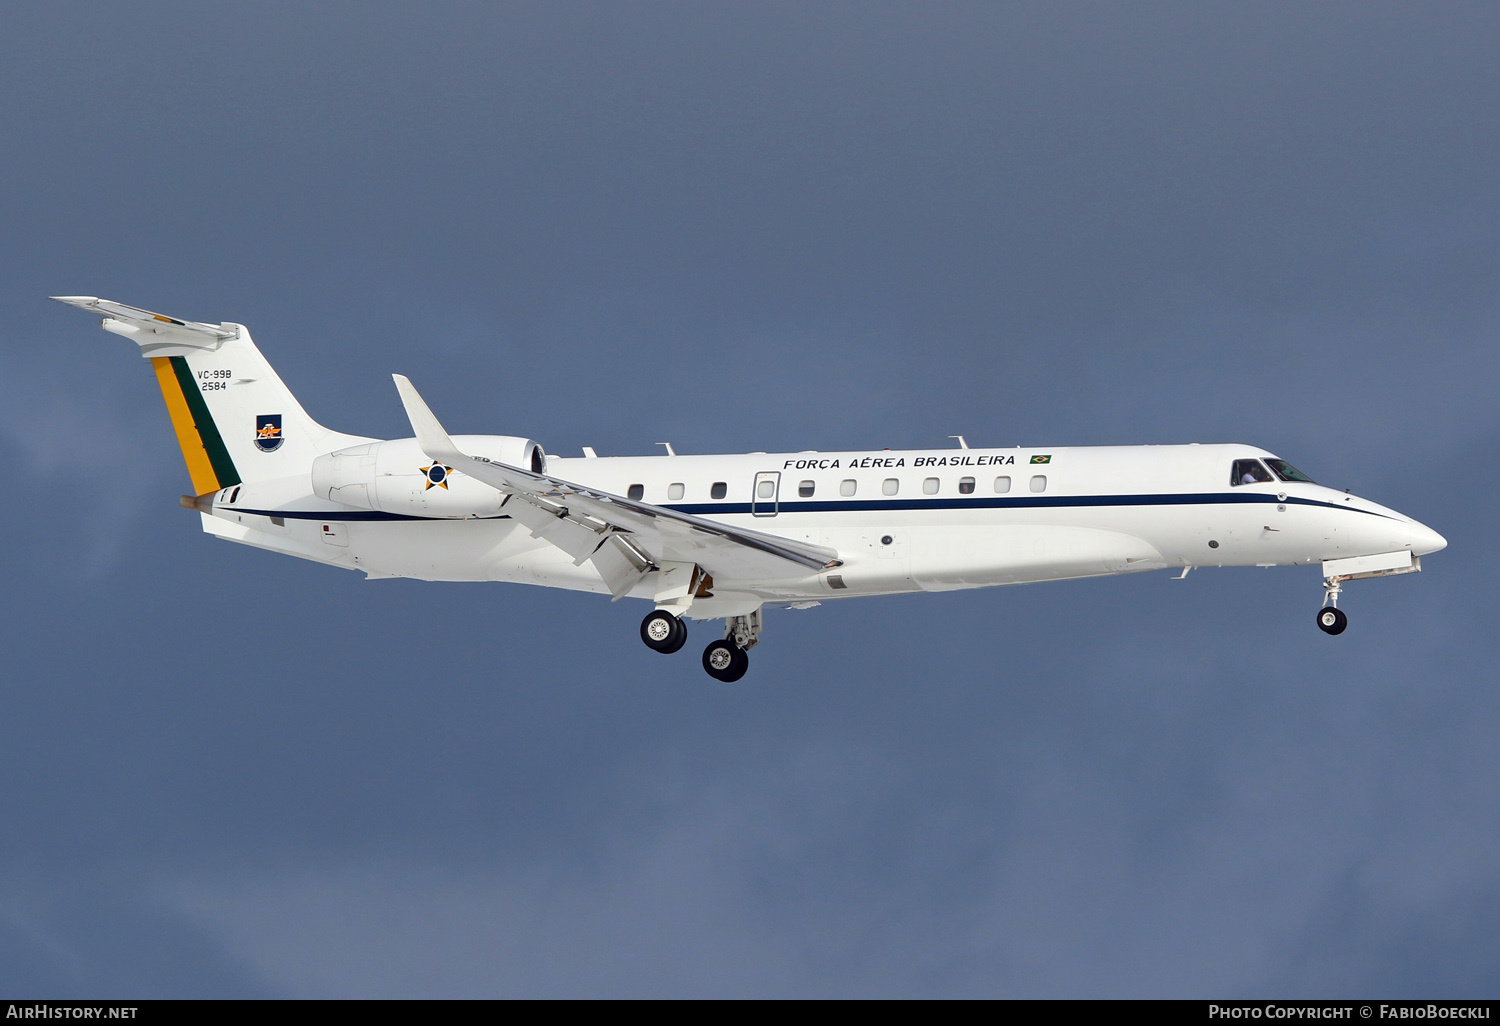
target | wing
[{"x": 624, "y": 538}]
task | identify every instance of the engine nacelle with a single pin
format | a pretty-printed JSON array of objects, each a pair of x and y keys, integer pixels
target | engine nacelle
[{"x": 397, "y": 477}]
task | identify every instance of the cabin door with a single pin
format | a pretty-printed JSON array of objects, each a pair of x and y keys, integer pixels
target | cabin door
[{"x": 765, "y": 498}]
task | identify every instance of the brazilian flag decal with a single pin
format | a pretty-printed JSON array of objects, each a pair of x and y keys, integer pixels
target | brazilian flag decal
[{"x": 1041, "y": 459}]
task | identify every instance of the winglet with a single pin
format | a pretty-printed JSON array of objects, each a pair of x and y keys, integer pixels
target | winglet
[{"x": 430, "y": 434}]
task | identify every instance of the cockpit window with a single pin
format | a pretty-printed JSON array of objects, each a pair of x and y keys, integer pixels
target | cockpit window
[
  {"x": 1248, "y": 472},
  {"x": 1287, "y": 472}
]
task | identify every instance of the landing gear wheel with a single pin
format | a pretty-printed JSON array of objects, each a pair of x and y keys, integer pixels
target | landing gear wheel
[
  {"x": 726, "y": 661},
  {"x": 1332, "y": 620},
  {"x": 663, "y": 632}
]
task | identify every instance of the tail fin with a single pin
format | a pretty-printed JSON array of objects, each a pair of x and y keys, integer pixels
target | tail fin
[{"x": 235, "y": 420}]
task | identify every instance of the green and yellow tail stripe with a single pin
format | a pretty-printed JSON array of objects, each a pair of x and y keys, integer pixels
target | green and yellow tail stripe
[{"x": 203, "y": 449}]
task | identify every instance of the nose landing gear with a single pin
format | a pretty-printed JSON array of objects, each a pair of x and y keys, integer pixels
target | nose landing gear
[
  {"x": 1331, "y": 619},
  {"x": 1358, "y": 568}
]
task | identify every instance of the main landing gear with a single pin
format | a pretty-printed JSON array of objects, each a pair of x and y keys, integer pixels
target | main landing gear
[
  {"x": 723, "y": 660},
  {"x": 663, "y": 632},
  {"x": 726, "y": 661},
  {"x": 1331, "y": 619}
]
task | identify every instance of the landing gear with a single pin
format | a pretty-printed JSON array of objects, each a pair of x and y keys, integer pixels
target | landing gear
[
  {"x": 663, "y": 632},
  {"x": 726, "y": 661},
  {"x": 744, "y": 631},
  {"x": 1331, "y": 619}
]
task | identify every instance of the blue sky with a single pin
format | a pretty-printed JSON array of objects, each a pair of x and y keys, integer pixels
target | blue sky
[{"x": 743, "y": 227}]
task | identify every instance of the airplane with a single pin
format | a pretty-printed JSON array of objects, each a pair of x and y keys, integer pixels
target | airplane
[{"x": 722, "y": 537}]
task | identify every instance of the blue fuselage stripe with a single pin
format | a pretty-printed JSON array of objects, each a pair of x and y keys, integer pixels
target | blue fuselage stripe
[
  {"x": 996, "y": 502},
  {"x": 344, "y": 516},
  {"x": 852, "y": 505}
]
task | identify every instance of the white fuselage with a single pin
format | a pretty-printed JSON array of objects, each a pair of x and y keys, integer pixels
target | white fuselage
[
  {"x": 965, "y": 518},
  {"x": 710, "y": 537}
]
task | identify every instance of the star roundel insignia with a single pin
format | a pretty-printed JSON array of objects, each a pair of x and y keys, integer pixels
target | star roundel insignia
[{"x": 437, "y": 475}]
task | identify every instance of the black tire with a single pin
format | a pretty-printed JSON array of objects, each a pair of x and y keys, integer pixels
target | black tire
[
  {"x": 741, "y": 665},
  {"x": 662, "y": 632},
  {"x": 726, "y": 661},
  {"x": 679, "y": 639},
  {"x": 1331, "y": 620}
]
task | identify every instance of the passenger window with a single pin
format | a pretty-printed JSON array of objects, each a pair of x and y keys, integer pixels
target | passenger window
[
  {"x": 765, "y": 489},
  {"x": 930, "y": 486},
  {"x": 1002, "y": 485},
  {"x": 966, "y": 486},
  {"x": 675, "y": 490},
  {"x": 847, "y": 487},
  {"x": 805, "y": 489},
  {"x": 1039, "y": 483},
  {"x": 890, "y": 486},
  {"x": 636, "y": 492},
  {"x": 1249, "y": 472},
  {"x": 719, "y": 490}
]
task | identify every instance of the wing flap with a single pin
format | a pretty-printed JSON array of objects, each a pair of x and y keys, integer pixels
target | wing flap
[{"x": 621, "y": 566}]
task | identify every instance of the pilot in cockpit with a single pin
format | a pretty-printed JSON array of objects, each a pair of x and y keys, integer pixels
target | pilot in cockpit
[{"x": 1249, "y": 472}]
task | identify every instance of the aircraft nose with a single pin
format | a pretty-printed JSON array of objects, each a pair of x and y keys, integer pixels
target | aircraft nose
[{"x": 1424, "y": 539}]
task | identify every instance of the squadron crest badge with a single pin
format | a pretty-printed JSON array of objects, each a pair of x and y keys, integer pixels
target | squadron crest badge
[
  {"x": 437, "y": 475},
  {"x": 268, "y": 432}
]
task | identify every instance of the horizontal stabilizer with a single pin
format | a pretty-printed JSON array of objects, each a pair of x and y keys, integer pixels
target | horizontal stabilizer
[{"x": 156, "y": 334}]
